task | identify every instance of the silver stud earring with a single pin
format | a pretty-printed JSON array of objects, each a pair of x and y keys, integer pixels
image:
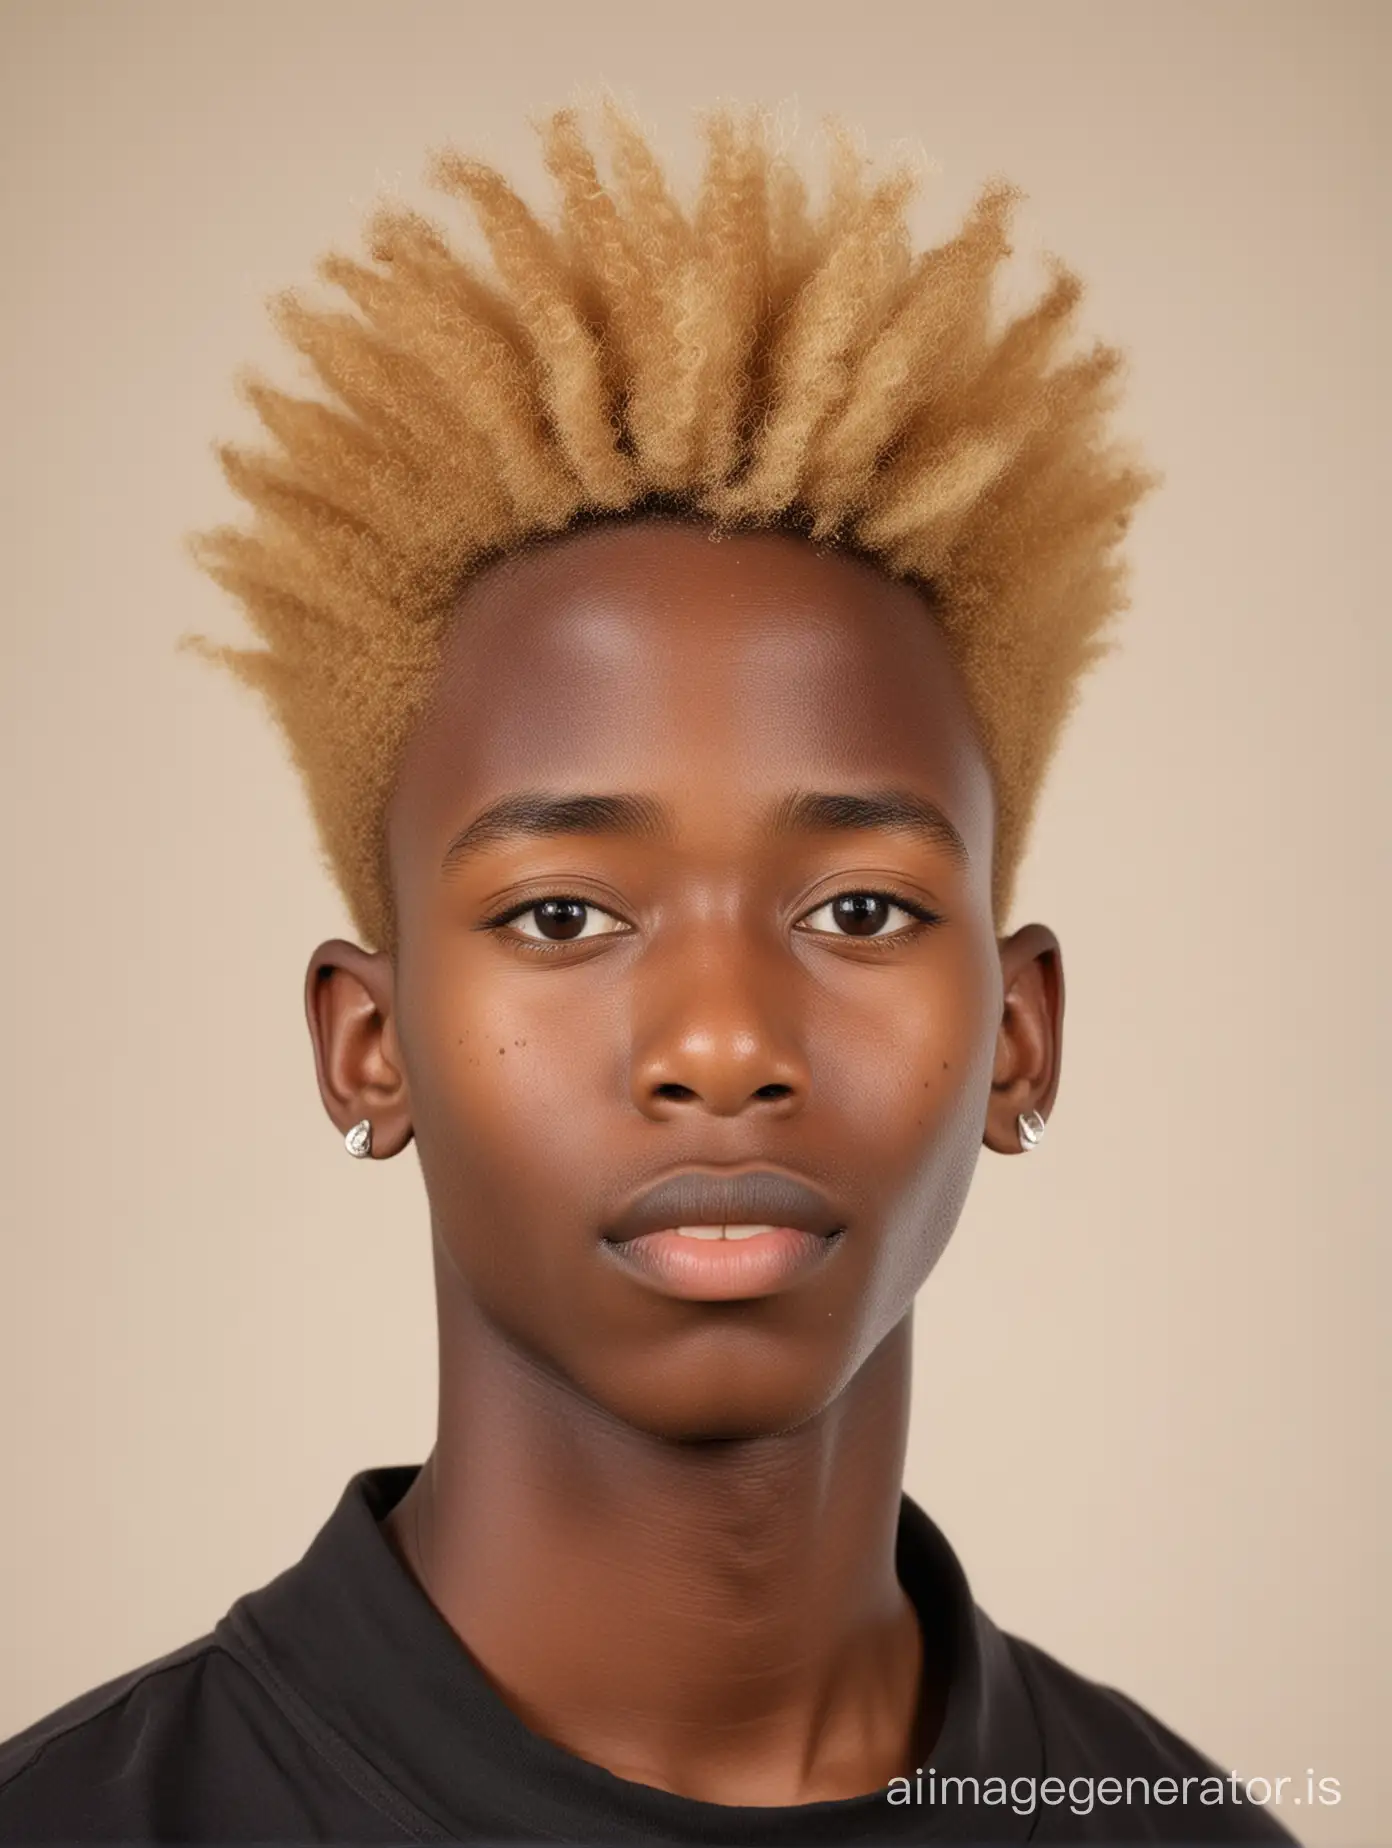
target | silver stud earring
[
  {"x": 1031, "y": 1128},
  {"x": 358, "y": 1141}
]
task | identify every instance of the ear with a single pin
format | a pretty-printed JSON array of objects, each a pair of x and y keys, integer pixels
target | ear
[
  {"x": 1029, "y": 1043},
  {"x": 349, "y": 1004}
]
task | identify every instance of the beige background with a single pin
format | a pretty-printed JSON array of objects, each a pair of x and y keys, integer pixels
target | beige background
[{"x": 1151, "y": 1391}]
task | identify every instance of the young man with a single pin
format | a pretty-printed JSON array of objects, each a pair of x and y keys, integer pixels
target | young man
[{"x": 673, "y": 630}]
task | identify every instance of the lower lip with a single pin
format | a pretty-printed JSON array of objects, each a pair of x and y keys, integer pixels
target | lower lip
[{"x": 726, "y": 1270}]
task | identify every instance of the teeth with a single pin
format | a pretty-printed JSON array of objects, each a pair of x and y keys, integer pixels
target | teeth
[{"x": 735, "y": 1232}]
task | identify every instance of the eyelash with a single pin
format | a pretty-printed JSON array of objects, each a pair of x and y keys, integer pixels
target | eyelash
[{"x": 926, "y": 919}]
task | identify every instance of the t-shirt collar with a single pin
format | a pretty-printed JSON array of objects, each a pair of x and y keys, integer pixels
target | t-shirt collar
[{"x": 357, "y": 1645}]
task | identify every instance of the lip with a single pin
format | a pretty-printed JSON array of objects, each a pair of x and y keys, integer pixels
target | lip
[{"x": 803, "y": 1226}]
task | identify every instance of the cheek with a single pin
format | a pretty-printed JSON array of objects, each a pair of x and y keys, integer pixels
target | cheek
[
  {"x": 505, "y": 1106},
  {"x": 919, "y": 1101},
  {"x": 913, "y": 1063}
]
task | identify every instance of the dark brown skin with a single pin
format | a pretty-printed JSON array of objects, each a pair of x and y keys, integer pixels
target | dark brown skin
[{"x": 666, "y": 1528}]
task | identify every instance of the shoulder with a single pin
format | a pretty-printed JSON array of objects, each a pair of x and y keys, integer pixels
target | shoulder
[
  {"x": 54, "y": 1768},
  {"x": 156, "y": 1687},
  {"x": 1130, "y": 1762},
  {"x": 158, "y": 1753}
]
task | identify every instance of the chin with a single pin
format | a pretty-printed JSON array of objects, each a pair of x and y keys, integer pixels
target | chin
[{"x": 720, "y": 1398}]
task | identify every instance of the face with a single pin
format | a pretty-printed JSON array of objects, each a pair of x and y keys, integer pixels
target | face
[{"x": 760, "y": 974}]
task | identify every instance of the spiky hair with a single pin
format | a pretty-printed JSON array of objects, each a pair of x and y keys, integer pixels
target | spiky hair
[{"x": 752, "y": 362}]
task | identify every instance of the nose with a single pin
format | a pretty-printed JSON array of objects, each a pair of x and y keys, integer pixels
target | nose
[{"x": 716, "y": 1028}]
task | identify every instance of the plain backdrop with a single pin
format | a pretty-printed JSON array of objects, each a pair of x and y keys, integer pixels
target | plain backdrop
[{"x": 1151, "y": 1387}]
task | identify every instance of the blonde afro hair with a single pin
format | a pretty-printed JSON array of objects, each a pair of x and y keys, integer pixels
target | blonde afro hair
[{"x": 752, "y": 362}]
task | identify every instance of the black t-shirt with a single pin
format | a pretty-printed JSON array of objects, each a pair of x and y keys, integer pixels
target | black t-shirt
[{"x": 336, "y": 1705}]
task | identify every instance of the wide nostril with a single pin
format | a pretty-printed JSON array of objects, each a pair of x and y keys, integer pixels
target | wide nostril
[{"x": 684, "y": 1091}]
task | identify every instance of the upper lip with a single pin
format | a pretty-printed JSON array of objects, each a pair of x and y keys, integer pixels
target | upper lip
[{"x": 702, "y": 1197}]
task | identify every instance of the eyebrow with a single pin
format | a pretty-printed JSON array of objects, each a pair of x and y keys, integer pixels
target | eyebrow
[{"x": 541, "y": 814}]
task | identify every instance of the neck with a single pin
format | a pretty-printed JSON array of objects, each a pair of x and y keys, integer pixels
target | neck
[{"x": 722, "y": 1620}]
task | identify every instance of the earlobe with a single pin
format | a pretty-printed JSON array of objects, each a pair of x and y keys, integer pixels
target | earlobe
[
  {"x": 1029, "y": 1041},
  {"x": 349, "y": 998}
]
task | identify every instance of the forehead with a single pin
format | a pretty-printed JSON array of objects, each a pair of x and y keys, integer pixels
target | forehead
[{"x": 714, "y": 673}]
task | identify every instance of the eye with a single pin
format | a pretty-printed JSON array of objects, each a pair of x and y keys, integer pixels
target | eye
[
  {"x": 551, "y": 923},
  {"x": 561, "y": 920},
  {"x": 864, "y": 914}
]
